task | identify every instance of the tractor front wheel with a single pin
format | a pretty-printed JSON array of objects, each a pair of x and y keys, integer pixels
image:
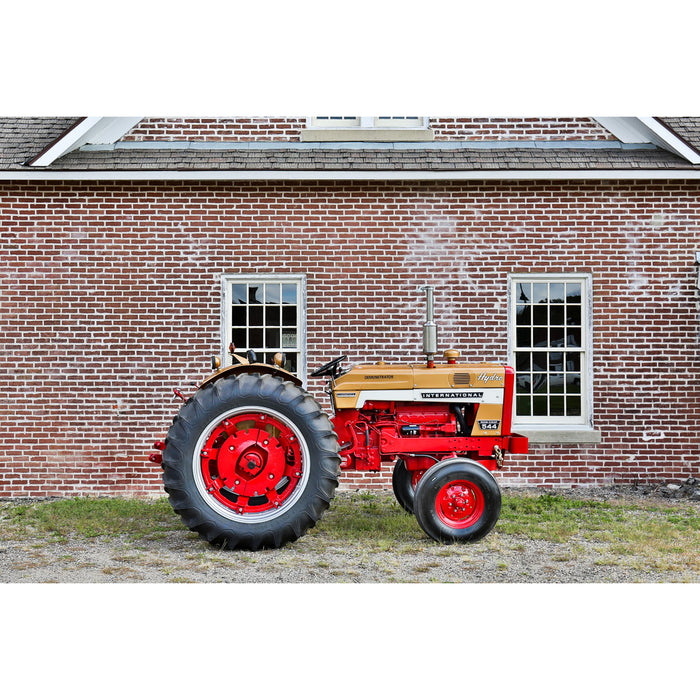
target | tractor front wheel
[
  {"x": 404, "y": 484},
  {"x": 250, "y": 462},
  {"x": 457, "y": 500}
]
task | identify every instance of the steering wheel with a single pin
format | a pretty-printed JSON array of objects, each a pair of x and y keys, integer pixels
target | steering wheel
[{"x": 330, "y": 369}]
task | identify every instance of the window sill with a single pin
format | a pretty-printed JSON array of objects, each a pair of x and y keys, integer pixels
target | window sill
[
  {"x": 360, "y": 134},
  {"x": 559, "y": 436}
]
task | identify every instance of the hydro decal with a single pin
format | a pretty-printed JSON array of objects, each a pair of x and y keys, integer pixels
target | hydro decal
[
  {"x": 489, "y": 424},
  {"x": 452, "y": 394}
]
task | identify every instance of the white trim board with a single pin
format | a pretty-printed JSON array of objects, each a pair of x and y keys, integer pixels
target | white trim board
[
  {"x": 345, "y": 175},
  {"x": 101, "y": 130}
]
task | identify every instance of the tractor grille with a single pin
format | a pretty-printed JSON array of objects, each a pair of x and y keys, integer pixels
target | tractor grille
[{"x": 461, "y": 379}]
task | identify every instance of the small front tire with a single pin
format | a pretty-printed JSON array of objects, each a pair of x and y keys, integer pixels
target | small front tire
[
  {"x": 457, "y": 500},
  {"x": 404, "y": 483}
]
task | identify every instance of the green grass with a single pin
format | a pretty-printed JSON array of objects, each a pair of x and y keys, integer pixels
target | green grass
[
  {"x": 641, "y": 534},
  {"x": 89, "y": 517}
]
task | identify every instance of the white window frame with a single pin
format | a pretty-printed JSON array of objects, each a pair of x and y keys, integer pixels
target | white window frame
[
  {"x": 367, "y": 129},
  {"x": 367, "y": 123},
  {"x": 227, "y": 280},
  {"x": 552, "y": 424}
]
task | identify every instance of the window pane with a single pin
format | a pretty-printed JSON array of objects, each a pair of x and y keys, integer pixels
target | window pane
[
  {"x": 556, "y": 405},
  {"x": 556, "y": 337},
  {"x": 556, "y": 293},
  {"x": 573, "y": 361},
  {"x": 289, "y": 315},
  {"x": 522, "y": 336},
  {"x": 272, "y": 293},
  {"x": 523, "y": 384},
  {"x": 539, "y": 361},
  {"x": 573, "y": 405},
  {"x": 556, "y": 315},
  {"x": 539, "y": 406},
  {"x": 255, "y": 315},
  {"x": 255, "y": 336},
  {"x": 539, "y": 337},
  {"x": 255, "y": 294},
  {"x": 539, "y": 383},
  {"x": 289, "y": 338},
  {"x": 556, "y": 384},
  {"x": 556, "y": 361},
  {"x": 238, "y": 316},
  {"x": 289, "y": 294},
  {"x": 524, "y": 292},
  {"x": 573, "y": 292},
  {"x": 573, "y": 383},
  {"x": 539, "y": 315},
  {"x": 238, "y": 293},
  {"x": 272, "y": 338},
  {"x": 522, "y": 361},
  {"x": 522, "y": 406},
  {"x": 539, "y": 293},
  {"x": 573, "y": 315},
  {"x": 573, "y": 338},
  {"x": 239, "y": 338},
  {"x": 523, "y": 316},
  {"x": 272, "y": 315}
]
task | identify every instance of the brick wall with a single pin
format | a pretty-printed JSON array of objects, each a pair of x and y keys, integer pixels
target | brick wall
[
  {"x": 111, "y": 297},
  {"x": 289, "y": 129},
  {"x": 219, "y": 129},
  {"x": 518, "y": 129}
]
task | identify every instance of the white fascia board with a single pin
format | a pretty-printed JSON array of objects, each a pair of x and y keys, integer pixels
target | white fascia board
[
  {"x": 625, "y": 129},
  {"x": 90, "y": 130},
  {"x": 648, "y": 130},
  {"x": 668, "y": 140},
  {"x": 343, "y": 175}
]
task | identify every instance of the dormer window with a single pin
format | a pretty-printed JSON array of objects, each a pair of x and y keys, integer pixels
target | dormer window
[{"x": 367, "y": 129}]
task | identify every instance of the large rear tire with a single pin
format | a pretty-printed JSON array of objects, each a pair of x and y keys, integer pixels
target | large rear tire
[
  {"x": 457, "y": 500},
  {"x": 251, "y": 462}
]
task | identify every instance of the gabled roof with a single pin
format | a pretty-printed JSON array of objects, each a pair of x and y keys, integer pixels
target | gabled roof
[
  {"x": 22, "y": 138},
  {"x": 90, "y": 148}
]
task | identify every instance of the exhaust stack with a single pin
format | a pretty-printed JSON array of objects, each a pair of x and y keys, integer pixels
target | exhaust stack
[{"x": 429, "y": 329}]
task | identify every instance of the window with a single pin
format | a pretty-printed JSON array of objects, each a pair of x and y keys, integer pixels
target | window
[
  {"x": 266, "y": 314},
  {"x": 367, "y": 129},
  {"x": 550, "y": 348},
  {"x": 369, "y": 122}
]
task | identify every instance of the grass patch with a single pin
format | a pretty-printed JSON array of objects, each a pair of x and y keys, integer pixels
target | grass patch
[
  {"x": 638, "y": 535},
  {"x": 374, "y": 519},
  {"x": 89, "y": 517}
]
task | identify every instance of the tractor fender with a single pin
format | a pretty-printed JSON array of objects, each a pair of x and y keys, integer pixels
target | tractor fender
[{"x": 252, "y": 368}]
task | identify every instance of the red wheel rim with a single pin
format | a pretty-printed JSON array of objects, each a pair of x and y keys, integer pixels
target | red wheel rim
[
  {"x": 251, "y": 463},
  {"x": 459, "y": 504}
]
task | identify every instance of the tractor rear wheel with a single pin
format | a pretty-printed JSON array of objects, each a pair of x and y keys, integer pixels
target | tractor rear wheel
[
  {"x": 250, "y": 462},
  {"x": 457, "y": 500}
]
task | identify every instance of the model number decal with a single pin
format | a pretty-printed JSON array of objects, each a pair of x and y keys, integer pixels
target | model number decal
[
  {"x": 452, "y": 394},
  {"x": 489, "y": 424}
]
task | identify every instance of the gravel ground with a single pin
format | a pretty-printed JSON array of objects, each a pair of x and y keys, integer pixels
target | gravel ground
[{"x": 181, "y": 557}]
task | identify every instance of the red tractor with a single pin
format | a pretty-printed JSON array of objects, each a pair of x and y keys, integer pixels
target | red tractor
[{"x": 251, "y": 460}]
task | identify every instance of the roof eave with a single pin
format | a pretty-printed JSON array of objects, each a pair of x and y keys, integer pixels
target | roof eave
[{"x": 351, "y": 175}]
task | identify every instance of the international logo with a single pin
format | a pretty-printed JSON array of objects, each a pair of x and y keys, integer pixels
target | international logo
[{"x": 452, "y": 395}]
